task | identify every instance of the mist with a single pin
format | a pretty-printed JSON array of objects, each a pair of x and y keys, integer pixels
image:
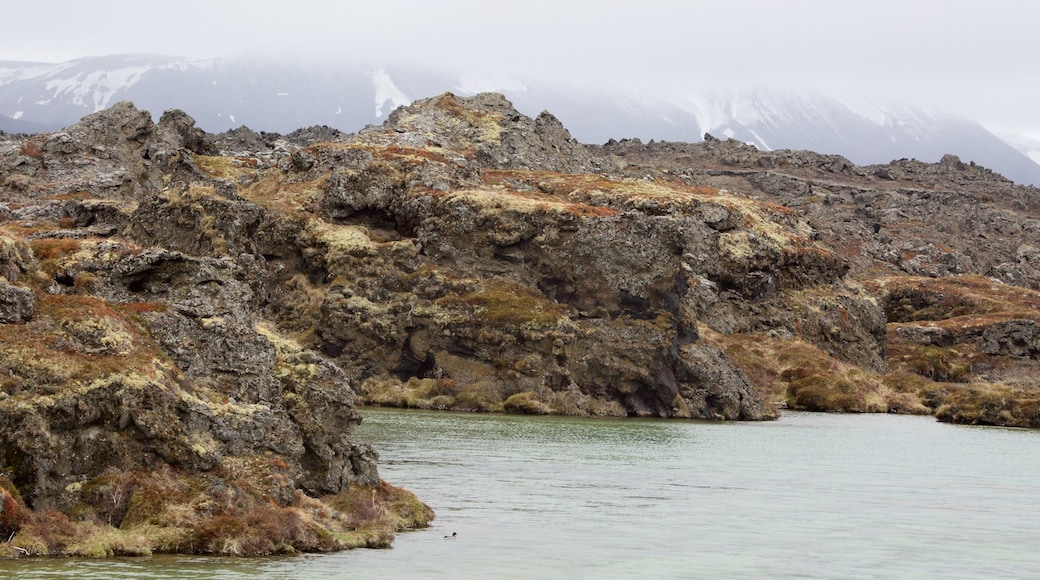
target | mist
[{"x": 971, "y": 58}]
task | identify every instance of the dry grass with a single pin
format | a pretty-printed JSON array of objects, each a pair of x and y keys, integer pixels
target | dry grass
[
  {"x": 1006, "y": 404},
  {"x": 13, "y": 513},
  {"x": 945, "y": 378},
  {"x": 416, "y": 393},
  {"x": 526, "y": 403},
  {"x": 274, "y": 191},
  {"x": 489, "y": 124},
  {"x": 231, "y": 168},
  {"x": 80, "y": 338},
  {"x": 485, "y": 394},
  {"x": 398, "y": 155},
  {"x": 231, "y": 513},
  {"x": 761, "y": 228},
  {"x": 934, "y": 323},
  {"x": 49, "y": 251},
  {"x": 946, "y": 364},
  {"x": 505, "y": 303},
  {"x": 971, "y": 299},
  {"x": 462, "y": 385},
  {"x": 797, "y": 374},
  {"x": 33, "y": 147}
]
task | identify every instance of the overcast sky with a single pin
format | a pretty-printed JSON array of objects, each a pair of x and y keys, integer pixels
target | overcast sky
[{"x": 975, "y": 58}]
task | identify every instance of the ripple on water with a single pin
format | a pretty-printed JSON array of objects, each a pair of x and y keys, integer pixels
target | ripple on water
[{"x": 810, "y": 496}]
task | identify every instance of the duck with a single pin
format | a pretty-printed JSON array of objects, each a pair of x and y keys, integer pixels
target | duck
[{"x": 452, "y": 536}]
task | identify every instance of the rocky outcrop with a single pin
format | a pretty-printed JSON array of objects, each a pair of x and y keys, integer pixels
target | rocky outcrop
[
  {"x": 226, "y": 388},
  {"x": 903, "y": 218},
  {"x": 918, "y": 236},
  {"x": 487, "y": 129},
  {"x": 16, "y": 260},
  {"x": 204, "y": 306},
  {"x": 16, "y": 303},
  {"x": 133, "y": 343}
]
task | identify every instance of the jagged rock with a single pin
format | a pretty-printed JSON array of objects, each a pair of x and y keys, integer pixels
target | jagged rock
[
  {"x": 717, "y": 390},
  {"x": 464, "y": 255},
  {"x": 181, "y": 132},
  {"x": 315, "y": 134},
  {"x": 242, "y": 139},
  {"x": 16, "y": 303},
  {"x": 16, "y": 260},
  {"x": 493, "y": 132}
]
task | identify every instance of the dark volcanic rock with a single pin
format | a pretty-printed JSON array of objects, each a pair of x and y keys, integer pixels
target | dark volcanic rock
[
  {"x": 16, "y": 304},
  {"x": 176, "y": 302}
]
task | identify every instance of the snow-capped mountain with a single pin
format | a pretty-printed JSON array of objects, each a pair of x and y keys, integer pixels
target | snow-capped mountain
[
  {"x": 1028, "y": 146},
  {"x": 281, "y": 95}
]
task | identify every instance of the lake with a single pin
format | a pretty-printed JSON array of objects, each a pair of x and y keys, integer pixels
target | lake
[{"x": 806, "y": 496}]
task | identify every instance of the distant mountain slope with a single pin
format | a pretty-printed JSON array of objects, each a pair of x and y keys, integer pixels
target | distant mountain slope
[
  {"x": 283, "y": 94},
  {"x": 1028, "y": 146}
]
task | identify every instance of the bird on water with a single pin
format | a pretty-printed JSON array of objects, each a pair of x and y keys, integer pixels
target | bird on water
[{"x": 452, "y": 536}]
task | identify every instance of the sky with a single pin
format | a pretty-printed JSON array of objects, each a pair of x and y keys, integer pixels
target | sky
[{"x": 970, "y": 57}]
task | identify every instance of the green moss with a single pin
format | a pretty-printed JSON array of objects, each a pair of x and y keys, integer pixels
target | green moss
[
  {"x": 507, "y": 303},
  {"x": 100, "y": 541}
]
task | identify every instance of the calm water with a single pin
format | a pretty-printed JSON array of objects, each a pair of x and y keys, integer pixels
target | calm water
[{"x": 808, "y": 496}]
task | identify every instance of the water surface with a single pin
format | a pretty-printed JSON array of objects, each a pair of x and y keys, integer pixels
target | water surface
[{"x": 807, "y": 496}]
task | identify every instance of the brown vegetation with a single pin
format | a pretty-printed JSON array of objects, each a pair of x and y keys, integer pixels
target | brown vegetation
[
  {"x": 506, "y": 303},
  {"x": 137, "y": 513},
  {"x": 795, "y": 374},
  {"x": 1013, "y": 403}
]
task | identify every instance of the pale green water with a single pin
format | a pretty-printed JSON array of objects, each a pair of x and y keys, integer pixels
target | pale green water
[{"x": 808, "y": 496}]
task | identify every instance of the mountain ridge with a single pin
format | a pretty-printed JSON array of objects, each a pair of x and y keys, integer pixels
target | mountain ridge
[{"x": 282, "y": 95}]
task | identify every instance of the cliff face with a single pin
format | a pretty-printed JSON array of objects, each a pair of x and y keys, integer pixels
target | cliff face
[
  {"x": 213, "y": 306},
  {"x": 124, "y": 356},
  {"x": 463, "y": 273},
  {"x": 465, "y": 256},
  {"x": 947, "y": 250},
  {"x": 183, "y": 302}
]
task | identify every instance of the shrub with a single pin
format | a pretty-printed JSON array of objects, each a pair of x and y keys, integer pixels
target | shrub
[
  {"x": 833, "y": 393},
  {"x": 32, "y": 148},
  {"x": 13, "y": 514},
  {"x": 526, "y": 403},
  {"x": 1004, "y": 404}
]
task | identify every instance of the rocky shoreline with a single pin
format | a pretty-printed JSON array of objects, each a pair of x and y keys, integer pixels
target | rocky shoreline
[{"x": 188, "y": 322}]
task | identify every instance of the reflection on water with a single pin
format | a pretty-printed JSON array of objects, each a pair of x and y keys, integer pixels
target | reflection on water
[{"x": 810, "y": 496}]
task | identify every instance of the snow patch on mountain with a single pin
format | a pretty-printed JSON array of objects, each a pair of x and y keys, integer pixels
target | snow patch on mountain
[
  {"x": 387, "y": 91},
  {"x": 96, "y": 89},
  {"x": 184, "y": 65},
  {"x": 708, "y": 112},
  {"x": 19, "y": 71},
  {"x": 1030, "y": 146}
]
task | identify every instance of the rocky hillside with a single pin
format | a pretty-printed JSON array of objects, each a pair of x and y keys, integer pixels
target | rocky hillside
[
  {"x": 949, "y": 252},
  {"x": 141, "y": 386},
  {"x": 188, "y": 320}
]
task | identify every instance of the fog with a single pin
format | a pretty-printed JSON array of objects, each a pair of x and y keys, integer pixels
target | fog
[{"x": 973, "y": 58}]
